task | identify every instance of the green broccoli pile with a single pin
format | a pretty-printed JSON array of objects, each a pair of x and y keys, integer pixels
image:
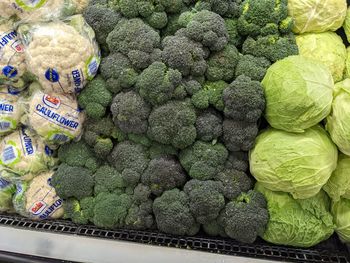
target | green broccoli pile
[{"x": 172, "y": 114}]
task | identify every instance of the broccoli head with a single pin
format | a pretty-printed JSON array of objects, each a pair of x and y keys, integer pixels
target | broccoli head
[
  {"x": 81, "y": 212},
  {"x": 225, "y": 8},
  {"x": 244, "y": 100},
  {"x": 158, "y": 150},
  {"x": 157, "y": 83},
  {"x": 118, "y": 72},
  {"x": 173, "y": 123},
  {"x": 185, "y": 55},
  {"x": 234, "y": 38},
  {"x": 237, "y": 161},
  {"x": 70, "y": 181},
  {"x": 130, "y": 112},
  {"x": 95, "y": 98},
  {"x": 213, "y": 228},
  {"x": 136, "y": 40},
  {"x": 210, "y": 94},
  {"x": 209, "y": 125},
  {"x": 173, "y": 215},
  {"x": 163, "y": 173},
  {"x": 234, "y": 182},
  {"x": 272, "y": 47},
  {"x": 222, "y": 64},
  {"x": 252, "y": 67},
  {"x": 107, "y": 180},
  {"x": 203, "y": 160},
  {"x": 245, "y": 217},
  {"x": 205, "y": 27},
  {"x": 206, "y": 199}
]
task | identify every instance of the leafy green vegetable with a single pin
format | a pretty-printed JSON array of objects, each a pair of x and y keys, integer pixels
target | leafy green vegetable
[{"x": 341, "y": 215}]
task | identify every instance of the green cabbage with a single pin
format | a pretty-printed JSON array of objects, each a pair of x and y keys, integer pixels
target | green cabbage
[
  {"x": 297, "y": 163},
  {"x": 347, "y": 63},
  {"x": 326, "y": 48},
  {"x": 338, "y": 122},
  {"x": 299, "y": 93},
  {"x": 341, "y": 214},
  {"x": 299, "y": 223},
  {"x": 347, "y": 24},
  {"x": 317, "y": 15}
]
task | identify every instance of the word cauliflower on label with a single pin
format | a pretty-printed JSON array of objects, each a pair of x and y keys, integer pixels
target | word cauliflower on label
[{"x": 10, "y": 112}]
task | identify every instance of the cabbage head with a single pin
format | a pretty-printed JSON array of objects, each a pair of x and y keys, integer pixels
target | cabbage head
[
  {"x": 6, "y": 192},
  {"x": 341, "y": 215},
  {"x": 326, "y": 48},
  {"x": 338, "y": 122},
  {"x": 347, "y": 24},
  {"x": 299, "y": 93},
  {"x": 317, "y": 15},
  {"x": 347, "y": 63},
  {"x": 298, "y": 223},
  {"x": 297, "y": 163}
]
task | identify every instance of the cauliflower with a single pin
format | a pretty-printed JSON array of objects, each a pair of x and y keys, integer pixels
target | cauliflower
[
  {"x": 37, "y": 199},
  {"x": 7, "y": 9},
  {"x": 12, "y": 57},
  {"x": 62, "y": 55},
  {"x": 54, "y": 117},
  {"x": 7, "y": 190},
  {"x": 10, "y": 110},
  {"x": 23, "y": 156}
]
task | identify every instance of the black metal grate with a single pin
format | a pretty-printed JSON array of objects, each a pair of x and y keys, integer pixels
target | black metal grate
[{"x": 331, "y": 251}]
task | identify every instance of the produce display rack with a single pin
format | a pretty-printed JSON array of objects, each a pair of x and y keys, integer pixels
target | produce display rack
[{"x": 330, "y": 251}]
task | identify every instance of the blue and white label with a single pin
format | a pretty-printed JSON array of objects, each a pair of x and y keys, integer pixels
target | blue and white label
[
  {"x": 3, "y": 183},
  {"x": 9, "y": 71},
  {"x": 48, "y": 151},
  {"x": 5, "y": 126},
  {"x": 52, "y": 75},
  {"x": 27, "y": 143},
  {"x": 51, "y": 209},
  {"x": 9, "y": 154},
  {"x": 7, "y": 38}
]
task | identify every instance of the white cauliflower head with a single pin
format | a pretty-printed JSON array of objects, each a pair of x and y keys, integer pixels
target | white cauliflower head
[
  {"x": 56, "y": 118},
  {"x": 23, "y": 156},
  {"x": 63, "y": 56},
  {"x": 7, "y": 9},
  {"x": 37, "y": 199}
]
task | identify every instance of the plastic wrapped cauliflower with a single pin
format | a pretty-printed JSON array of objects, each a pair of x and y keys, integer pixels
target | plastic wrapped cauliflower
[
  {"x": 12, "y": 57},
  {"x": 7, "y": 190},
  {"x": 56, "y": 118},
  {"x": 62, "y": 55},
  {"x": 23, "y": 156},
  {"x": 37, "y": 199}
]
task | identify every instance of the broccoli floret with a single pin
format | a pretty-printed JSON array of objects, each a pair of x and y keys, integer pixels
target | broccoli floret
[
  {"x": 237, "y": 161},
  {"x": 252, "y": 67},
  {"x": 225, "y": 8},
  {"x": 136, "y": 40},
  {"x": 172, "y": 213},
  {"x": 272, "y": 47},
  {"x": 209, "y": 125},
  {"x": 206, "y": 199},
  {"x": 108, "y": 179},
  {"x": 173, "y": 123},
  {"x": 81, "y": 212},
  {"x": 72, "y": 181},
  {"x": 213, "y": 228},
  {"x": 95, "y": 98},
  {"x": 234, "y": 38},
  {"x": 244, "y": 100},
  {"x": 211, "y": 94},
  {"x": 172, "y": 26},
  {"x": 78, "y": 154},
  {"x": 183, "y": 54},
  {"x": 205, "y": 27},
  {"x": 262, "y": 17},
  {"x": 163, "y": 173},
  {"x": 157, "y": 83},
  {"x": 234, "y": 182},
  {"x": 245, "y": 217},
  {"x": 118, "y": 72},
  {"x": 222, "y": 64},
  {"x": 203, "y": 160},
  {"x": 158, "y": 150},
  {"x": 130, "y": 112}
]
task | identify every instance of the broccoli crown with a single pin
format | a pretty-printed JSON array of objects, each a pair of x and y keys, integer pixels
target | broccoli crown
[
  {"x": 225, "y": 8},
  {"x": 206, "y": 199},
  {"x": 211, "y": 94},
  {"x": 205, "y": 27},
  {"x": 81, "y": 212},
  {"x": 234, "y": 38},
  {"x": 173, "y": 123},
  {"x": 70, "y": 181},
  {"x": 130, "y": 112},
  {"x": 272, "y": 47},
  {"x": 118, "y": 72},
  {"x": 209, "y": 125},
  {"x": 234, "y": 182},
  {"x": 136, "y": 40},
  {"x": 203, "y": 160},
  {"x": 157, "y": 83},
  {"x": 95, "y": 98},
  {"x": 252, "y": 67},
  {"x": 173, "y": 215},
  {"x": 222, "y": 64},
  {"x": 158, "y": 150},
  {"x": 244, "y": 100},
  {"x": 163, "y": 173},
  {"x": 214, "y": 228},
  {"x": 185, "y": 55},
  {"x": 107, "y": 179},
  {"x": 262, "y": 17},
  {"x": 245, "y": 217},
  {"x": 237, "y": 161},
  {"x": 78, "y": 154}
]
